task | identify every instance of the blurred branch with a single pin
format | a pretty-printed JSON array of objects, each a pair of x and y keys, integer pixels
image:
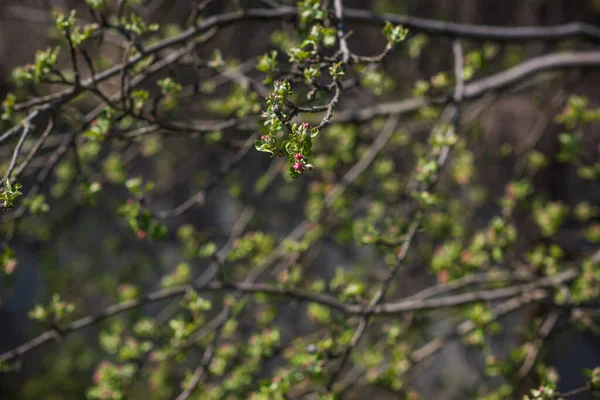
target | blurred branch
[
  {"x": 575, "y": 392},
  {"x": 339, "y": 15},
  {"x": 200, "y": 197},
  {"x": 412, "y": 230},
  {"x": 249, "y": 287},
  {"x": 432, "y": 27},
  {"x": 497, "y": 82},
  {"x": 534, "y": 348},
  {"x": 430, "y": 348},
  {"x": 13, "y": 162},
  {"x": 505, "y": 292},
  {"x": 472, "y": 90},
  {"x": 480, "y": 32}
]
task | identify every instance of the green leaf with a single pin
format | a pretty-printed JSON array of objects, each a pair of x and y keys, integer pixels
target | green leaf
[{"x": 394, "y": 34}]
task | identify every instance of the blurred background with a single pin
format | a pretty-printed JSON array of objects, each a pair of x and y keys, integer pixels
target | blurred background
[{"x": 87, "y": 253}]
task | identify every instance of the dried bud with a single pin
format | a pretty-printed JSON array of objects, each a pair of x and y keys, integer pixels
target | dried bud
[{"x": 310, "y": 167}]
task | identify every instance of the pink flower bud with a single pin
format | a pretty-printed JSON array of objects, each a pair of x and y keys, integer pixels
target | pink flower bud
[
  {"x": 297, "y": 166},
  {"x": 10, "y": 266},
  {"x": 264, "y": 138},
  {"x": 141, "y": 234},
  {"x": 306, "y": 125},
  {"x": 310, "y": 167},
  {"x": 298, "y": 156}
]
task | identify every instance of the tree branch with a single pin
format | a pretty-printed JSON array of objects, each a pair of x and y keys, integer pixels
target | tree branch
[{"x": 473, "y": 90}]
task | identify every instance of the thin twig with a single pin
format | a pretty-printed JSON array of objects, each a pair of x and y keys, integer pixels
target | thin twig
[
  {"x": 17, "y": 151},
  {"x": 35, "y": 148},
  {"x": 534, "y": 348},
  {"x": 339, "y": 16}
]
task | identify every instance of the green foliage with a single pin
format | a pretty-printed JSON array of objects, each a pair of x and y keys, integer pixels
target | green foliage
[
  {"x": 137, "y": 187},
  {"x": 180, "y": 275},
  {"x": 586, "y": 287},
  {"x": 96, "y": 4},
  {"x": 101, "y": 126},
  {"x": 141, "y": 221},
  {"x": 544, "y": 392},
  {"x": 240, "y": 102},
  {"x": 267, "y": 64},
  {"x": 63, "y": 22},
  {"x": 577, "y": 112},
  {"x": 549, "y": 259},
  {"x": 169, "y": 86},
  {"x": 394, "y": 34},
  {"x": 594, "y": 378},
  {"x": 549, "y": 216},
  {"x": 9, "y": 194},
  {"x": 110, "y": 380},
  {"x": 8, "y": 106},
  {"x": 44, "y": 66},
  {"x": 403, "y": 199},
  {"x": 57, "y": 312},
  {"x": 310, "y": 11},
  {"x": 136, "y": 25},
  {"x": 297, "y": 147},
  {"x": 375, "y": 80},
  {"x": 254, "y": 246},
  {"x": 37, "y": 204},
  {"x": 570, "y": 147}
]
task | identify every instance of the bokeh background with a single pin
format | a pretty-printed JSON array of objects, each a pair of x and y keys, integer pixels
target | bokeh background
[{"x": 85, "y": 253}]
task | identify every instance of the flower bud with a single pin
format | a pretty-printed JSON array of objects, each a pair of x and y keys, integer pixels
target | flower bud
[
  {"x": 299, "y": 156},
  {"x": 265, "y": 138},
  {"x": 310, "y": 167},
  {"x": 298, "y": 167}
]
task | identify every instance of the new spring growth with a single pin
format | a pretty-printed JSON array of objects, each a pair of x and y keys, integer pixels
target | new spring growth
[
  {"x": 301, "y": 164},
  {"x": 297, "y": 145},
  {"x": 298, "y": 149}
]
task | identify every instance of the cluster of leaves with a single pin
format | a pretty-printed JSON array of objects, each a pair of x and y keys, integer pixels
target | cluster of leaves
[
  {"x": 297, "y": 146},
  {"x": 57, "y": 312},
  {"x": 43, "y": 67},
  {"x": 575, "y": 117},
  {"x": 139, "y": 218},
  {"x": 313, "y": 36},
  {"x": 9, "y": 194}
]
